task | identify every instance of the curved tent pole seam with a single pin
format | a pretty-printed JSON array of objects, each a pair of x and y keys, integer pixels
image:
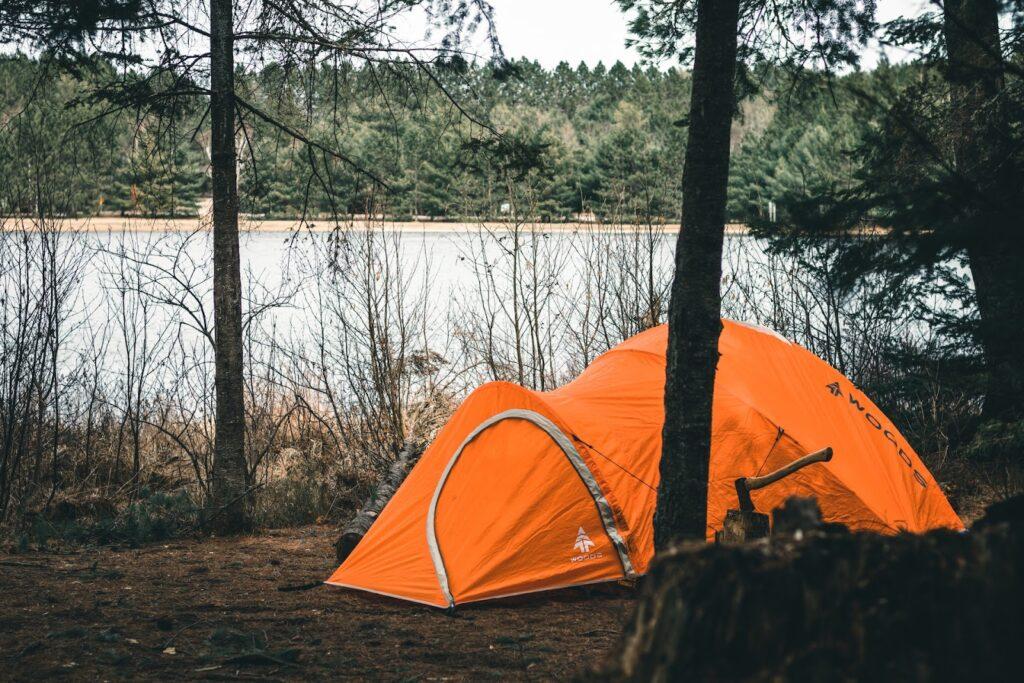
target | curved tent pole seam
[{"x": 604, "y": 509}]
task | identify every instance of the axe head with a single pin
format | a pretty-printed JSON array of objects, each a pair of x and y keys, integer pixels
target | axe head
[{"x": 743, "y": 493}]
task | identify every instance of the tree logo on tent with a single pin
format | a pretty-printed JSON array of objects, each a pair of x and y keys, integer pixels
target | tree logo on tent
[
  {"x": 583, "y": 542},
  {"x": 583, "y": 546}
]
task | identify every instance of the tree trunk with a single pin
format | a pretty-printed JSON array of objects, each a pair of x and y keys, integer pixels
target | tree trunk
[
  {"x": 230, "y": 502},
  {"x": 695, "y": 309},
  {"x": 991, "y": 221}
]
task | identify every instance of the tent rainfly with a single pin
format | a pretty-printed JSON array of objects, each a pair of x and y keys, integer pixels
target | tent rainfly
[{"x": 526, "y": 491}]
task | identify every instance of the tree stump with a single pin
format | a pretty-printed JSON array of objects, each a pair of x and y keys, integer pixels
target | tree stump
[{"x": 741, "y": 526}]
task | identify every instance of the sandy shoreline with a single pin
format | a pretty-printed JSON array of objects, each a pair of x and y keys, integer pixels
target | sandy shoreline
[{"x": 102, "y": 224}]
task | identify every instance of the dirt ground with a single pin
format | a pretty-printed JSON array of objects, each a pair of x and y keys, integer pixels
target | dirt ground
[{"x": 215, "y": 609}]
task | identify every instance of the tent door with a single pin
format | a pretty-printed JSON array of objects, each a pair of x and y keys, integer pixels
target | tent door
[{"x": 564, "y": 444}]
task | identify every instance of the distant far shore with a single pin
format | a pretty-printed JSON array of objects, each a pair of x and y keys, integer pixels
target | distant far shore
[{"x": 101, "y": 224}]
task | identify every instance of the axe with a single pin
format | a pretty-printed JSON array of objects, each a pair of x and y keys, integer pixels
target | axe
[{"x": 744, "y": 485}]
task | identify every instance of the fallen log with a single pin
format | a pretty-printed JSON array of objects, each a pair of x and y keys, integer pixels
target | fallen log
[
  {"x": 360, "y": 524},
  {"x": 826, "y": 606}
]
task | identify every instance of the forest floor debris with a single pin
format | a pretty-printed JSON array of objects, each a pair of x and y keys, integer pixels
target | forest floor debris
[{"x": 229, "y": 608}]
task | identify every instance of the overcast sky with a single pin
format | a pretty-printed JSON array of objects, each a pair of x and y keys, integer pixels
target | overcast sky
[
  {"x": 592, "y": 31},
  {"x": 552, "y": 31}
]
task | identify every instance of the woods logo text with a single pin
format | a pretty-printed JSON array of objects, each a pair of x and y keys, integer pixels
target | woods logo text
[{"x": 836, "y": 390}]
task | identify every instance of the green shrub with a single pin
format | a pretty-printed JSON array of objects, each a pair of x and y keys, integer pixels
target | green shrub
[
  {"x": 997, "y": 441},
  {"x": 152, "y": 517}
]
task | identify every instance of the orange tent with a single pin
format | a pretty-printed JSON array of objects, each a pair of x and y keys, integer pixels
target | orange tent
[{"x": 525, "y": 491}]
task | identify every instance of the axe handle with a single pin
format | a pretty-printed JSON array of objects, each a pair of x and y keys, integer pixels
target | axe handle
[
  {"x": 755, "y": 483},
  {"x": 744, "y": 485}
]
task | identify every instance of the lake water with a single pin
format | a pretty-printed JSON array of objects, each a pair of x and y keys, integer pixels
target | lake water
[
  {"x": 444, "y": 263},
  {"x": 576, "y": 293}
]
